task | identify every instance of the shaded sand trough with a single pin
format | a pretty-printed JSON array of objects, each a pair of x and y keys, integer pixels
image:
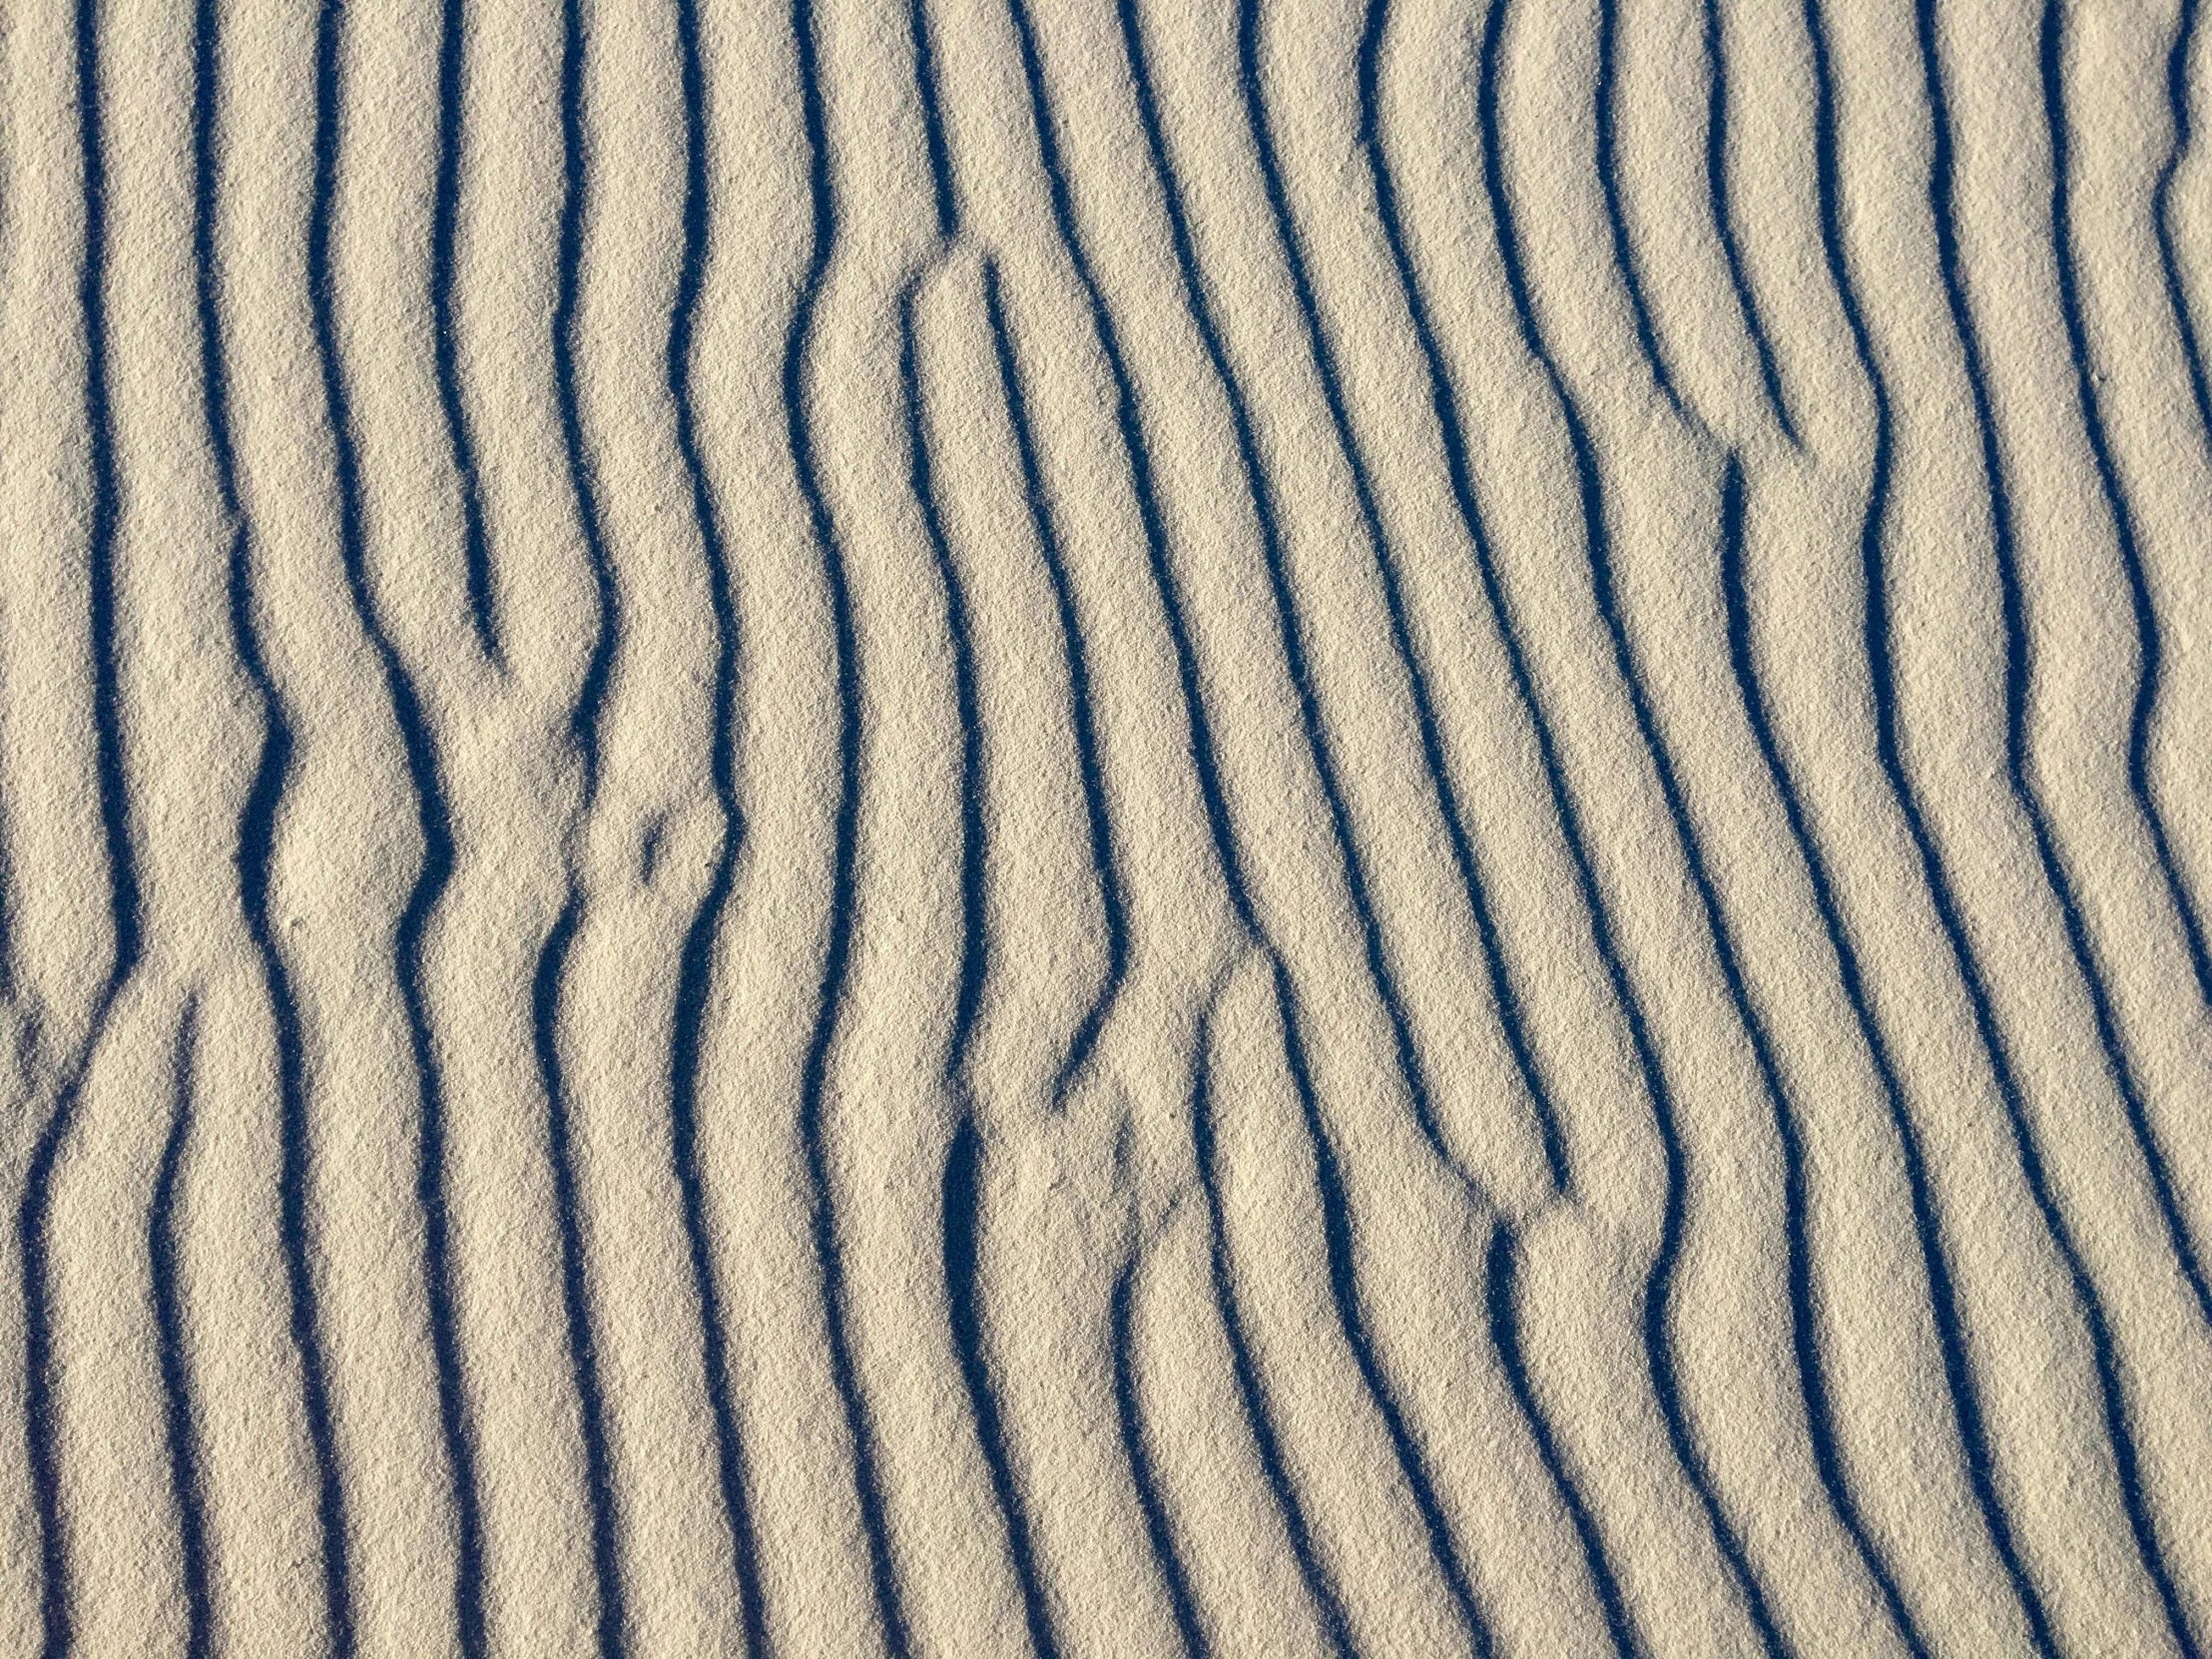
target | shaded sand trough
[{"x": 1105, "y": 828}]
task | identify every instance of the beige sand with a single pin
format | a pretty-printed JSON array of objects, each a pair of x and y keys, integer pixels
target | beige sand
[{"x": 1038, "y": 825}]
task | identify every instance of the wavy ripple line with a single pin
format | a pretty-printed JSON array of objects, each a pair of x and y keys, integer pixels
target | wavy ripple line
[{"x": 34, "y": 1216}]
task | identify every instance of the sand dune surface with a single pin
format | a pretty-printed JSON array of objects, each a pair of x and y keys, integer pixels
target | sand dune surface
[{"x": 1105, "y": 827}]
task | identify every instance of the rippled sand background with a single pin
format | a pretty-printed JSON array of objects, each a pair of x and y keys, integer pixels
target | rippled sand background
[{"x": 1040, "y": 825}]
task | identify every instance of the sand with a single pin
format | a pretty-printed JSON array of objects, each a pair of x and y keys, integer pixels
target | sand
[{"x": 1041, "y": 826}]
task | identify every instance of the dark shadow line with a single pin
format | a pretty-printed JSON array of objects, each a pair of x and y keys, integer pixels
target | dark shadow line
[
  {"x": 1658, "y": 1284},
  {"x": 1159, "y": 1529},
  {"x": 943, "y": 196},
  {"x": 41, "y": 1429},
  {"x": 584, "y": 739},
  {"x": 1291, "y": 634},
  {"x": 1201, "y": 739},
  {"x": 2138, "y": 760},
  {"x": 1342, "y": 1248},
  {"x": 1211, "y": 793},
  {"x": 1385, "y": 559},
  {"x": 1251, "y": 1392},
  {"x": 2177, "y": 98},
  {"x": 959, "y": 1194},
  {"x": 206, "y": 274},
  {"x": 1142, "y": 485},
  {"x": 545, "y": 995},
  {"x": 1616, "y": 216},
  {"x": 961, "y": 1197},
  {"x": 695, "y": 973},
  {"x": 1716, "y": 184},
  {"x": 1443, "y": 402},
  {"x": 1944, "y": 1295},
  {"x": 169, "y": 1325},
  {"x": 1103, "y": 866},
  {"x": 1493, "y": 952},
  {"x": 256, "y": 845},
  {"x": 1943, "y": 183},
  {"x": 255, "y": 850},
  {"x": 576, "y": 166},
  {"x": 1292, "y": 631},
  {"x": 2146, "y": 694},
  {"x": 1202, "y": 753},
  {"x": 1294, "y": 649},
  {"x": 1506, "y": 1338},
  {"x": 813, "y": 1079},
  {"x": 444, "y": 218},
  {"x": 434, "y": 823},
  {"x": 2139, "y": 588},
  {"x": 967, "y": 708},
  {"x": 1811, "y": 1379}
]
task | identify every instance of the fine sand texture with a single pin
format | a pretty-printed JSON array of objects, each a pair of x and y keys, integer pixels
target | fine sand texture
[{"x": 972, "y": 827}]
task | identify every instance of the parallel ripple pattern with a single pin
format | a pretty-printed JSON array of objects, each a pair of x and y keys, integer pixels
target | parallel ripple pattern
[{"x": 942, "y": 827}]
